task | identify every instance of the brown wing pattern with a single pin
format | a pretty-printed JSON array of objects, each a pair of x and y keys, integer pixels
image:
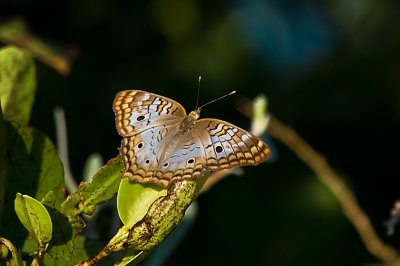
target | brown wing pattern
[
  {"x": 137, "y": 110},
  {"x": 155, "y": 149},
  {"x": 227, "y": 146},
  {"x": 187, "y": 161}
]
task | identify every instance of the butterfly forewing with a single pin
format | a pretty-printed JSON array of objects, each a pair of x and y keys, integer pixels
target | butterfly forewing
[{"x": 137, "y": 110}]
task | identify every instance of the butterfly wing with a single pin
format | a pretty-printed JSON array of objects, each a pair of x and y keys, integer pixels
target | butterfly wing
[
  {"x": 211, "y": 145},
  {"x": 163, "y": 161},
  {"x": 145, "y": 153},
  {"x": 145, "y": 120},
  {"x": 156, "y": 149},
  {"x": 227, "y": 146},
  {"x": 136, "y": 111}
]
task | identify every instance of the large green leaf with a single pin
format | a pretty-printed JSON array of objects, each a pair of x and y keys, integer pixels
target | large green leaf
[
  {"x": 34, "y": 217},
  {"x": 17, "y": 84},
  {"x": 29, "y": 165},
  {"x": 17, "y": 91}
]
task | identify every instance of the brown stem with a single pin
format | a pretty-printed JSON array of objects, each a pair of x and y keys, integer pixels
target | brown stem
[
  {"x": 38, "y": 259},
  {"x": 215, "y": 178},
  {"x": 334, "y": 182}
]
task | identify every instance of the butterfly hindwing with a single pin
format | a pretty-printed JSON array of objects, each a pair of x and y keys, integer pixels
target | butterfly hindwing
[
  {"x": 143, "y": 153},
  {"x": 154, "y": 156},
  {"x": 187, "y": 159}
]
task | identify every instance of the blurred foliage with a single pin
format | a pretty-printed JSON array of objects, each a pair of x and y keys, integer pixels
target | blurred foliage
[{"x": 329, "y": 69}]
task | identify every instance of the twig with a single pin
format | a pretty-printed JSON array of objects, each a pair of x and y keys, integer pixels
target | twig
[
  {"x": 215, "y": 178},
  {"x": 334, "y": 182},
  {"x": 62, "y": 148}
]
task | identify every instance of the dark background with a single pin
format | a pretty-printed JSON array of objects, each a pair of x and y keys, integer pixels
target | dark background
[{"x": 330, "y": 69}]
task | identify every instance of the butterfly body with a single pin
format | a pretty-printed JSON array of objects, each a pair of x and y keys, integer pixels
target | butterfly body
[
  {"x": 190, "y": 120},
  {"x": 162, "y": 143}
]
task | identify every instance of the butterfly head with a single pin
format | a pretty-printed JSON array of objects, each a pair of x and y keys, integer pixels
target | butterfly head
[
  {"x": 195, "y": 114},
  {"x": 190, "y": 120}
]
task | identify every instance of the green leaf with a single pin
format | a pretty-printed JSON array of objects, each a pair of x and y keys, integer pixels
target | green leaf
[
  {"x": 65, "y": 230},
  {"x": 165, "y": 213},
  {"x": 260, "y": 121},
  {"x": 35, "y": 218},
  {"x": 17, "y": 84},
  {"x": 134, "y": 200},
  {"x": 29, "y": 165},
  {"x": 103, "y": 187}
]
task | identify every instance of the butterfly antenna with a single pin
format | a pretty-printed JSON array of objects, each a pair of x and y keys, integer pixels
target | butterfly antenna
[
  {"x": 226, "y": 95},
  {"x": 198, "y": 93}
]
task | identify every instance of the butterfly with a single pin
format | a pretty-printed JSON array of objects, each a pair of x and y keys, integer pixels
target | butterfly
[{"x": 161, "y": 143}]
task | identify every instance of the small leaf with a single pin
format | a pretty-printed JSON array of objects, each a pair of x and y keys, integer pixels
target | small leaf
[
  {"x": 134, "y": 200},
  {"x": 35, "y": 218},
  {"x": 260, "y": 120},
  {"x": 17, "y": 84},
  {"x": 103, "y": 187},
  {"x": 64, "y": 230}
]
